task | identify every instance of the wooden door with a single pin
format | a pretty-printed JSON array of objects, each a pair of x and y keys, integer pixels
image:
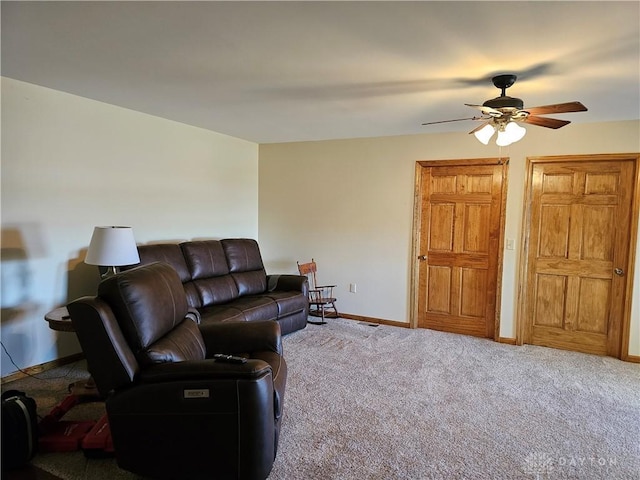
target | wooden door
[
  {"x": 578, "y": 252},
  {"x": 460, "y": 236}
]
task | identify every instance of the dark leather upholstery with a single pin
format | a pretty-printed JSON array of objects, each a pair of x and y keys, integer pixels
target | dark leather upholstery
[
  {"x": 174, "y": 412},
  {"x": 105, "y": 348},
  {"x": 225, "y": 280},
  {"x": 171, "y": 253},
  {"x": 168, "y": 253},
  {"x": 205, "y": 259},
  {"x": 152, "y": 312}
]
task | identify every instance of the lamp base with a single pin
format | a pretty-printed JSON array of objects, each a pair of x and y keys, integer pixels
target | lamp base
[{"x": 109, "y": 272}]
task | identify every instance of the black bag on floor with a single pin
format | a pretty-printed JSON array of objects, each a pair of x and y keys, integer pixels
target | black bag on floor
[{"x": 19, "y": 429}]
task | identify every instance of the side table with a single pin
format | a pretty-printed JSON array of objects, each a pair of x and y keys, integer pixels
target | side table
[{"x": 60, "y": 321}]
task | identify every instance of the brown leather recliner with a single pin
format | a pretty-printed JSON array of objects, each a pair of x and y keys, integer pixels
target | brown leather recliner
[{"x": 176, "y": 412}]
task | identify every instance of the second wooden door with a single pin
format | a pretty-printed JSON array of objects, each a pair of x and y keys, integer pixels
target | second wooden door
[{"x": 578, "y": 252}]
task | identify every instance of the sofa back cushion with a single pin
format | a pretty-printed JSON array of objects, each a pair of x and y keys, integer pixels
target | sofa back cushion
[
  {"x": 245, "y": 265},
  {"x": 209, "y": 272},
  {"x": 168, "y": 253},
  {"x": 151, "y": 308},
  {"x": 171, "y": 253}
]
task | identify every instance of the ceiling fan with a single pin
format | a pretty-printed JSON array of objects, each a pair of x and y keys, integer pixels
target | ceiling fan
[{"x": 503, "y": 114}]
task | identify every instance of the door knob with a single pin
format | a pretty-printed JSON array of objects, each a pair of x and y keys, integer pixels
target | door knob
[
  {"x": 422, "y": 257},
  {"x": 619, "y": 271}
]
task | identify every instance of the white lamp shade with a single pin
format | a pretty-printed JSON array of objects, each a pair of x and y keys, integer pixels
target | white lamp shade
[
  {"x": 112, "y": 247},
  {"x": 485, "y": 133}
]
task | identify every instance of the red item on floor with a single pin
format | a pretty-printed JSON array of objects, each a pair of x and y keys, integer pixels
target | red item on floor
[
  {"x": 64, "y": 436},
  {"x": 98, "y": 442},
  {"x": 49, "y": 422},
  {"x": 56, "y": 435}
]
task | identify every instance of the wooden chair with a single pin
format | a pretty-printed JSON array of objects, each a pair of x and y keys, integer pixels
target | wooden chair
[{"x": 322, "y": 303}]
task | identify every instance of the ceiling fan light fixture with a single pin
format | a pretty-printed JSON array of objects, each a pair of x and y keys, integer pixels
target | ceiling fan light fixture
[
  {"x": 485, "y": 133},
  {"x": 503, "y": 139},
  {"x": 504, "y": 114},
  {"x": 509, "y": 133},
  {"x": 514, "y": 131}
]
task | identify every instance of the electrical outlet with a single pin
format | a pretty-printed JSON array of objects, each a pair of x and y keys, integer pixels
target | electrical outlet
[
  {"x": 510, "y": 244},
  {"x": 352, "y": 287}
]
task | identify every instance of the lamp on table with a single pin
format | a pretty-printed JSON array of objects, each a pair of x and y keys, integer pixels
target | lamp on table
[{"x": 112, "y": 247}]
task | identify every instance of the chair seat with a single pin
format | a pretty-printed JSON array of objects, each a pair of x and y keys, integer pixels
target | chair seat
[{"x": 321, "y": 301}]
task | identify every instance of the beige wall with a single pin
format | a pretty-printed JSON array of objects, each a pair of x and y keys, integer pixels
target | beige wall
[
  {"x": 349, "y": 204},
  {"x": 69, "y": 164}
]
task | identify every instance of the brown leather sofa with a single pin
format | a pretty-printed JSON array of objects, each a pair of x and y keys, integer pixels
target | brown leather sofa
[
  {"x": 225, "y": 280},
  {"x": 175, "y": 411}
]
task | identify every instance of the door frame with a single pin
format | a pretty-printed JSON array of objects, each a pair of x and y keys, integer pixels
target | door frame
[
  {"x": 526, "y": 228},
  {"x": 419, "y": 190}
]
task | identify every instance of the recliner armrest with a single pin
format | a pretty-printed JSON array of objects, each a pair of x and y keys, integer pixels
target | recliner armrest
[
  {"x": 202, "y": 370},
  {"x": 240, "y": 337},
  {"x": 288, "y": 282}
]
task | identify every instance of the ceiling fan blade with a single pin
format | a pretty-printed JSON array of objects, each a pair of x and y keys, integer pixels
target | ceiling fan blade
[
  {"x": 557, "y": 108},
  {"x": 454, "y": 120},
  {"x": 486, "y": 110},
  {"x": 479, "y": 127},
  {"x": 546, "y": 122}
]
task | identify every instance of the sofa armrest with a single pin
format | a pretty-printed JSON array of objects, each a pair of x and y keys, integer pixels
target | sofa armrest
[
  {"x": 241, "y": 337},
  {"x": 297, "y": 283},
  {"x": 202, "y": 370}
]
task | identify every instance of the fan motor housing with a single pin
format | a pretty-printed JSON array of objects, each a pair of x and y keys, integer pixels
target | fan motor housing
[{"x": 504, "y": 102}]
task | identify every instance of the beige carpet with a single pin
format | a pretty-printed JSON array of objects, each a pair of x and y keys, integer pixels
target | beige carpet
[{"x": 384, "y": 402}]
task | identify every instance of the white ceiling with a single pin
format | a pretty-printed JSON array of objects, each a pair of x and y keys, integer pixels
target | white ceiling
[{"x": 290, "y": 71}]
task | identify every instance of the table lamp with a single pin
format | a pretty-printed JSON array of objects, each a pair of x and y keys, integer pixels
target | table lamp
[{"x": 112, "y": 247}]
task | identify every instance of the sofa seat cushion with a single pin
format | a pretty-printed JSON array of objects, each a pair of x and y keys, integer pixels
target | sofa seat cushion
[
  {"x": 288, "y": 302},
  {"x": 220, "y": 313},
  {"x": 257, "y": 307}
]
